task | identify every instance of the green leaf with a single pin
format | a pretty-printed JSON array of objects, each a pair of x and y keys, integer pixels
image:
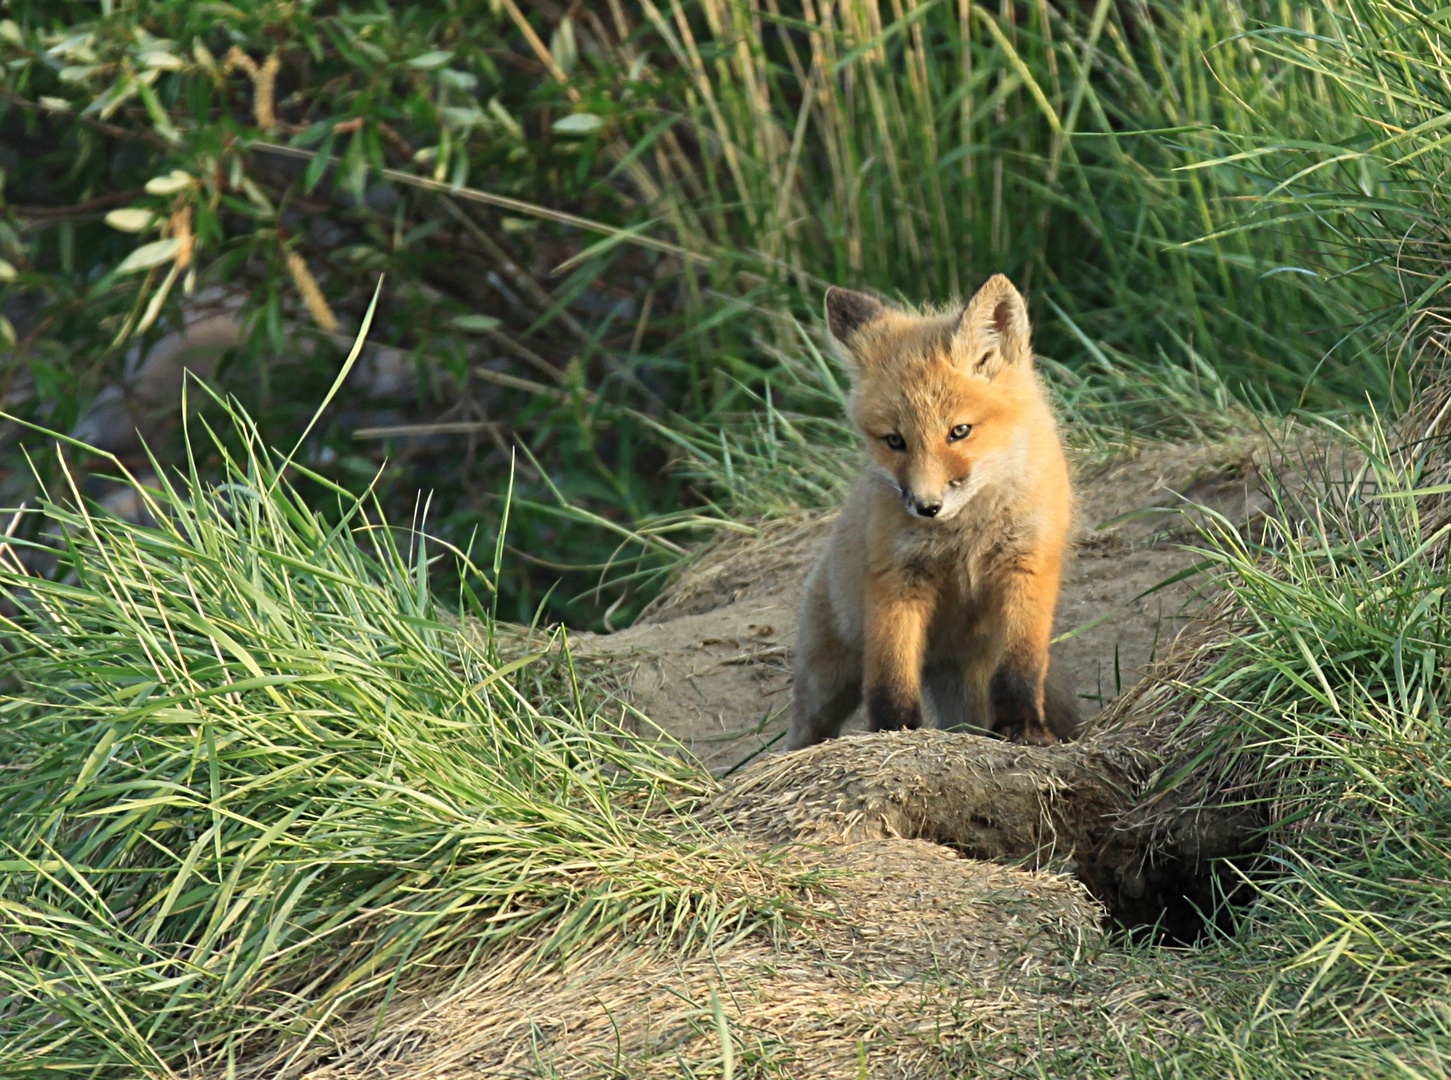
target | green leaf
[
  {"x": 318, "y": 166},
  {"x": 577, "y": 124},
  {"x": 456, "y": 116},
  {"x": 170, "y": 184},
  {"x": 149, "y": 255},
  {"x": 132, "y": 219},
  {"x": 474, "y": 324},
  {"x": 430, "y": 60},
  {"x": 166, "y": 61},
  {"x": 459, "y": 80}
]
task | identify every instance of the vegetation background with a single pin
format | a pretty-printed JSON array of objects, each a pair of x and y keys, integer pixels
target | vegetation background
[{"x": 603, "y": 230}]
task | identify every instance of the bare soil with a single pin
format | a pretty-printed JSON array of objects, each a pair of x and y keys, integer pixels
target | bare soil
[{"x": 710, "y": 661}]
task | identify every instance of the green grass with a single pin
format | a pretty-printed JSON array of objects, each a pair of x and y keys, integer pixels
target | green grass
[
  {"x": 918, "y": 149},
  {"x": 256, "y": 777},
  {"x": 1332, "y": 692}
]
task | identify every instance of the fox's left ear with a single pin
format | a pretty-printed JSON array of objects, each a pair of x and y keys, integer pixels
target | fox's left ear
[{"x": 993, "y": 333}]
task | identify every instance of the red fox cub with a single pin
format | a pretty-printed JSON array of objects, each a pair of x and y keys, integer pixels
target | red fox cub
[{"x": 935, "y": 597}]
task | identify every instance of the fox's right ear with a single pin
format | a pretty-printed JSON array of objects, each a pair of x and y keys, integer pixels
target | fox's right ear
[{"x": 847, "y": 312}]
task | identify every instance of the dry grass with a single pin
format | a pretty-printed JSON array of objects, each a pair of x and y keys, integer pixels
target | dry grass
[
  {"x": 913, "y": 949},
  {"x": 724, "y": 570},
  {"x": 988, "y": 798}
]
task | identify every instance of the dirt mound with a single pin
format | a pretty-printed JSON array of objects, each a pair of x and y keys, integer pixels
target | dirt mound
[
  {"x": 914, "y": 951},
  {"x": 710, "y": 660},
  {"x": 984, "y": 797}
]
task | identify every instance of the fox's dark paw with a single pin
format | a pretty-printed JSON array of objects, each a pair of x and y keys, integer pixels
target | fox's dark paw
[
  {"x": 1036, "y": 735},
  {"x": 889, "y": 711}
]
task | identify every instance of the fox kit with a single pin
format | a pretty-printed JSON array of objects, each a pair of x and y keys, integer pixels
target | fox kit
[{"x": 939, "y": 583}]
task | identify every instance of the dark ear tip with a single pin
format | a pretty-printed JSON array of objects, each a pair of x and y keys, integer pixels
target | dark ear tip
[
  {"x": 999, "y": 297},
  {"x": 848, "y": 311}
]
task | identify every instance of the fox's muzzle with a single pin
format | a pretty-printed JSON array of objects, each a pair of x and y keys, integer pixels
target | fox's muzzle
[
  {"x": 919, "y": 507},
  {"x": 932, "y": 498}
]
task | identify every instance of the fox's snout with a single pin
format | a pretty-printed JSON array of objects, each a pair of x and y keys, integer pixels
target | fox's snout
[
  {"x": 926, "y": 497},
  {"x": 920, "y": 507}
]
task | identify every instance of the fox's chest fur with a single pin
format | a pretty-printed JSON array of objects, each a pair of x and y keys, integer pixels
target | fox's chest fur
[
  {"x": 962, "y": 560},
  {"x": 997, "y": 526},
  {"x": 959, "y": 565}
]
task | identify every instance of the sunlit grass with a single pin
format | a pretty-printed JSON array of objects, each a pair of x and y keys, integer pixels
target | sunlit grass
[{"x": 256, "y": 776}]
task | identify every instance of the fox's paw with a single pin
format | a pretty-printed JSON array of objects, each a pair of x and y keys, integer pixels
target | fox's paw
[
  {"x": 1036, "y": 735},
  {"x": 890, "y": 710}
]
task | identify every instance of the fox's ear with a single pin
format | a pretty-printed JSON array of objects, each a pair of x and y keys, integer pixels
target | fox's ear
[
  {"x": 848, "y": 311},
  {"x": 993, "y": 333}
]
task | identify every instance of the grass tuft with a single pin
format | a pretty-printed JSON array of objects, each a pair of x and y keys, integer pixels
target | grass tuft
[{"x": 256, "y": 778}]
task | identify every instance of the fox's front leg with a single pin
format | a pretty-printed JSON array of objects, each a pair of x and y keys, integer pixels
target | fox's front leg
[
  {"x": 896, "y": 642},
  {"x": 1016, "y": 690},
  {"x": 828, "y": 669}
]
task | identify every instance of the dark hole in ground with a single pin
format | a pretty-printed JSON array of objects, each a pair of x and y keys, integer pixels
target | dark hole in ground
[{"x": 1173, "y": 882}]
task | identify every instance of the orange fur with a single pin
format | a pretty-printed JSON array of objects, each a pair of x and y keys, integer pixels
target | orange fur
[{"x": 934, "y": 600}]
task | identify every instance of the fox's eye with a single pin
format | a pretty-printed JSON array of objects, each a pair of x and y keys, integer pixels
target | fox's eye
[
  {"x": 961, "y": 431},
  {"x": 895, "y": 441}
]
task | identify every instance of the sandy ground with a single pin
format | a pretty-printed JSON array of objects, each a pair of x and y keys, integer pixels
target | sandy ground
[{"x": 710, "y": 661}]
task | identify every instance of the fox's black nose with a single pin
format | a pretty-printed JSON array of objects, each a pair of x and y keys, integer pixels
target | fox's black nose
[{"x": 928, "y": 509}]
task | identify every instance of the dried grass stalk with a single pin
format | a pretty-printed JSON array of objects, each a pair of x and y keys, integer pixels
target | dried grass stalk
[{"x": 317, "y": 305}]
